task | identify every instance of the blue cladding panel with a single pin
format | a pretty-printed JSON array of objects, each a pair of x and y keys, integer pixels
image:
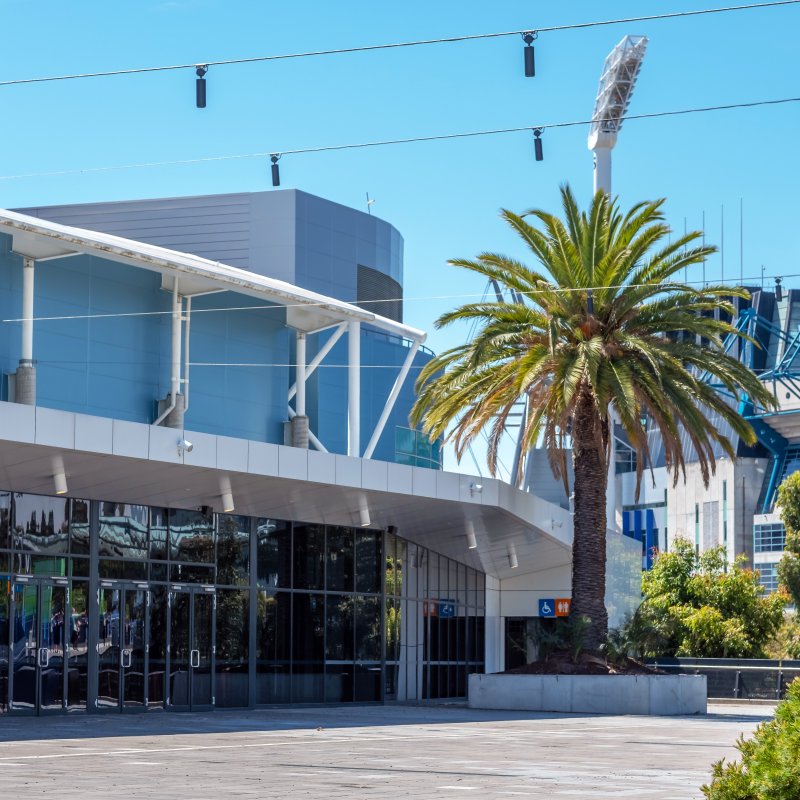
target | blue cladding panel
[
  {"x": 118, "y": 366},
  {"x": 650, "y": 537}
]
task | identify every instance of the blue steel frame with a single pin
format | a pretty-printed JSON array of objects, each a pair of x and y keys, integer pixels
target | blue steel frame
[{"x": 785, "y": 372}]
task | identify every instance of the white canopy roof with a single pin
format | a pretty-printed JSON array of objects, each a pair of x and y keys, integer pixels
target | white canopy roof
[{"x": 306, "y": 311}]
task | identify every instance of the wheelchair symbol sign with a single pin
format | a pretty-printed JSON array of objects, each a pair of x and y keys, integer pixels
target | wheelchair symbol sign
[{"x": 547, "y": 608}]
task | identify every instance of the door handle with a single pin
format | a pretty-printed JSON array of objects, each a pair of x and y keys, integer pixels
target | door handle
[
  {"x": 126, "y": 658},
  {"x": 194, "y": 658},
  {"x": 44, "y": 656}
]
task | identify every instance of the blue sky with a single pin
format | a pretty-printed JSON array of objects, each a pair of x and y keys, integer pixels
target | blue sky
[{"x": 443, "y": 197}]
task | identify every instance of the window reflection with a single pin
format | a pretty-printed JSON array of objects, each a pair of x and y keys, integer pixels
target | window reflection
[
  {"x": 123, "y": 531},
  {"x": 274, "y": 553},
  {"x": 340, "y": 559},
  {"x": 191, "y": 536},
  {"x": 233, "y": 549},
  {"x": 41, "y": 524},
  {"x": 309, "y": 556}
]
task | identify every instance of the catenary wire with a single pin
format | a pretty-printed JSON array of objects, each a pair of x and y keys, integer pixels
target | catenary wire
[
  {"x": 409, "y": 140},
  {"x": 752, "y": 281},
  {"x": 397, "y": 45}
]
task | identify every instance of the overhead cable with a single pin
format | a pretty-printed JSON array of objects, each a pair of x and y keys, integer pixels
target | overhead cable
[
  {"x": 275, "y": 154},
  {"x": 205, "y": 63}
]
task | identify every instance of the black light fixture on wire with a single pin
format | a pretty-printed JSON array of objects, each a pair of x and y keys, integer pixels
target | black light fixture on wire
[
  {"x": 778, "y": 289},
  {"x": 200, "y": 87},
  {"x": 530, "y": 60},
  {"x": 276, "y": 173},
  {"x": 537, "y": 143}
]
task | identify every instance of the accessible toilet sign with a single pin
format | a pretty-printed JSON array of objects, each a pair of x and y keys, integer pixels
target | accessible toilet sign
[{"x": 555, "y": 607}]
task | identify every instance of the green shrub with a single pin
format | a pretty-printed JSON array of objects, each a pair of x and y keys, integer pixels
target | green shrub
[
  {"x": 770, "y": 765},
  {"x": 700, "y": 606}
]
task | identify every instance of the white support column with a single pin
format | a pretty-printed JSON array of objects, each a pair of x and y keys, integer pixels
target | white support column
[
  {"x": 354, "y": 388},
  {"x": 320, "y": 356},
  {"x": 26, "y": 371},
  {"x": 391, "y": 400},
  {"x": 300, "y": 372},
  {"x": 26, "y": 356}
]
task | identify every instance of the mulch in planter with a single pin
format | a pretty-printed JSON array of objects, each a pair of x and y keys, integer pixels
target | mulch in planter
[{"x": 561, "y": 663}]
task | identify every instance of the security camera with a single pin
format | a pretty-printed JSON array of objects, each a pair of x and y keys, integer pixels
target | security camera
[{"x": 184, "y": 446}]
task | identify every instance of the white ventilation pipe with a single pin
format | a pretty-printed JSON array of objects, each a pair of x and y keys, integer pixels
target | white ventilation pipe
[
  {"x": 187, "y": 326},
  {"x": 175, "y": 374}
]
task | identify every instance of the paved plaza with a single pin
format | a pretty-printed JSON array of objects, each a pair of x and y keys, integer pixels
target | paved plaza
[{"x": 394, "y": 752}]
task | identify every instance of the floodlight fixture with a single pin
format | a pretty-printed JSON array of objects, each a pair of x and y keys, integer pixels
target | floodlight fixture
[
  {"x": 537, "y": 144},
  {"x": 778, "y": 289},
  {"x": 59, "y": 475},
  {"x": 364, "y": 519},
  {"x": 226, "y": 494},
  {"x": 512, "y": 556},
  {"x": 276, "y": 173},
  {"x": 472, "y": 540},
  {"x": 620, "y": 71},
  {"x": 530, "y": 59},
  {"x": 200, "y": 86}
]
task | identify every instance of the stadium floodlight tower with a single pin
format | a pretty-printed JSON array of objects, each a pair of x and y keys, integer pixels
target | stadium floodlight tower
[{"x": 613, "y": 98}]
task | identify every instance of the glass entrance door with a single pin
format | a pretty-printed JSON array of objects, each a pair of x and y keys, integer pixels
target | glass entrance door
[
  {"x": 40, "y": 617},
  {"x": 192, "y": 631},
  {"x": 122, "y": 647}
]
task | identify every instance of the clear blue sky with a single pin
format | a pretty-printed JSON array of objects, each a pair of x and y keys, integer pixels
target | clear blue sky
[{"x": 443, "y": 196}]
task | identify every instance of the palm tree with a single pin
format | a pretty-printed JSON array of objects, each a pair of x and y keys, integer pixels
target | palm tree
[{"x": 606, "y": 330}]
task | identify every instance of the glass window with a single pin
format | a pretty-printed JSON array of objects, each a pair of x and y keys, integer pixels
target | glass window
[
  {"x": 309, "y": 556},
  {"x": 274, "y": 553},
  {"x": 273, "y": 647},
  {"x": 233, "y": 549},
  {"x": 110, "y": 569},
  {"x": 233, "y": 637},
  {"x": 158, "y": 533},
  {"x": 368, "y": 561},
  {"x": 340, "y": 559},
  {"x": 191, "y": 536},
  {"x": 308, "y": 618},
  {"x": 339, "y": 683},
  {"x": 191, "y": 573},
  {"x": 123, "y": 531},
  {"x": 5, "y": 523},
  {"x": 368, "y": 628},
  {"x": 339, "y": 628},
  {"x": 79, "y": 527},
  {"x": 41, "y": 524},
  {"x": 77, "y": 665}
]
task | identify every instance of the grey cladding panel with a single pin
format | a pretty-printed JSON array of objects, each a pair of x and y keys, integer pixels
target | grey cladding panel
[{"x": 379, "y": 293}]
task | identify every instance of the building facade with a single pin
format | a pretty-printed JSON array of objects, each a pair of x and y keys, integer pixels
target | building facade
[{"x": 210, "y": 494}]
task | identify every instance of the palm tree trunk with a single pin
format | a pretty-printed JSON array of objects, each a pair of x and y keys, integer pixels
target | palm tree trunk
[{"x": 589, "y": 522}]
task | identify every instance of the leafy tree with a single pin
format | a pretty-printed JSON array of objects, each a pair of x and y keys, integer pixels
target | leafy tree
[
  {"x": 789, "y": 506},
  {"x": 605, "y": 331},
  {"x": 768, "y": 769},
  {"x": 695, "y": 605}
]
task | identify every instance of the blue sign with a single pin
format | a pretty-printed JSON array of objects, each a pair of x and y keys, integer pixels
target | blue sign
[
  {"x": 447, "y": 608},
  {"x": 547, "y": 608}
]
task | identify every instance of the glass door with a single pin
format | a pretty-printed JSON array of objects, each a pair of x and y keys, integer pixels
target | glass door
[
  {"x": 192, "y": 618},
  {"x": 40, "y": 614},
  {"x": 122, "y": 647}
]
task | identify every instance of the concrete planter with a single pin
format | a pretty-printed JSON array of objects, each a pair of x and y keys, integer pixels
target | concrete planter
[{"x": 655, "y": 695}]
